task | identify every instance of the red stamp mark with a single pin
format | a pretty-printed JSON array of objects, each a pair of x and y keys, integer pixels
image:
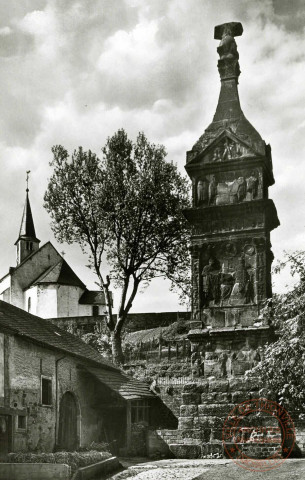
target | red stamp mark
[{"x": 258, "y": 434}]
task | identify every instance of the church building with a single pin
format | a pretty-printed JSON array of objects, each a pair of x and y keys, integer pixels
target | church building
[{"x": 42, "y": 283}]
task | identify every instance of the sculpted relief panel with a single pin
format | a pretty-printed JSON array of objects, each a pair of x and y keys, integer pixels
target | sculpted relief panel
[
  {"x": 227, "y": 150},
  {"x": 221, "y": 191},
  {"x": 228, "y": 275}
]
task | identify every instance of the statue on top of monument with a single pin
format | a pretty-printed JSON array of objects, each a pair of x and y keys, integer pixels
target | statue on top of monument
[{"x": 227, "y": 48}]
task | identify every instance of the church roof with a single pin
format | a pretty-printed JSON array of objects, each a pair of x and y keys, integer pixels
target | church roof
[
  {"x": 27, "y": 229},
  {"x": 44, "y": 332},
  {"x": 61, "y": 273}
]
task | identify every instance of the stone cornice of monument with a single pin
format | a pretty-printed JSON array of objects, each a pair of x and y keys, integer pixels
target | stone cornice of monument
[
  {"x": 229, "y": 115},
  {"x": 205, "y": 163}
]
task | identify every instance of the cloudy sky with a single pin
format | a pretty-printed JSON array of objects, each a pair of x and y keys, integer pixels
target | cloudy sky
[{"x": 73, "y": 72}]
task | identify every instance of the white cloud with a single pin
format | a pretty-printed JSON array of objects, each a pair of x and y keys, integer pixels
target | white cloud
[{"x": 73, "y": 72}]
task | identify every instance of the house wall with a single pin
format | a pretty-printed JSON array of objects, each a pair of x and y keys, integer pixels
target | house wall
[{"x": 27, "y": 363}]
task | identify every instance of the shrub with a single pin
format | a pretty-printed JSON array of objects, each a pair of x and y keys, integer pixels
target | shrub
[{"x": 75, "y": 460}]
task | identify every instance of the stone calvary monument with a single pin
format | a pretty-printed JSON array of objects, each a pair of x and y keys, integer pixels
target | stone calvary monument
[{"x": 231, "y": 217}]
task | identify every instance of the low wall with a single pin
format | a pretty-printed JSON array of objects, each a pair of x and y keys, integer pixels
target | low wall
[
  {"x": 97, "y": 469},
  {"x": 34, "y": 471}
]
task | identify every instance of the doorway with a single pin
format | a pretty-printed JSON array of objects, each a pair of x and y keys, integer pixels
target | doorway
[
  {"x": 68, "y": 438},
  {"x": 5, "y": 436}
]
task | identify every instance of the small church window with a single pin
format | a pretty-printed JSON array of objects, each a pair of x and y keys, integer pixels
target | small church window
[
  {"x": 29, "y": 304},
  {"x": 46, "y": 391},
  {"x": 29, "y": 246},
  {"x": 95, "y": 310}
]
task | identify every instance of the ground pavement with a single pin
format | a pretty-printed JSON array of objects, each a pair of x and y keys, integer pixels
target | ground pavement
[{"x": 291, "y": 469}]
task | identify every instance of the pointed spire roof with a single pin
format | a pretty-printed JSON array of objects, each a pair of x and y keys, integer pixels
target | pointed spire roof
[
  {"x": 229, "y": 115},
  {"x": 27, "y": 229}
]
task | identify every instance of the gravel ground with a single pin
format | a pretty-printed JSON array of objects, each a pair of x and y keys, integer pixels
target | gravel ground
[{"x": 291, "y": 469}]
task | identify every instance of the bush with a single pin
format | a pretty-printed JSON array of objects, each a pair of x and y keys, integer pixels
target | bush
[{"x": 75, "y": 460}]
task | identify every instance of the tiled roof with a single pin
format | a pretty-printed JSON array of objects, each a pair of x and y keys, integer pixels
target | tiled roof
[
  {"x": 91, "y": 297},
  {"x": 61, "y": 273},
  {"x": 128, "y": 388},
  {"x": 44, "y": 332}
]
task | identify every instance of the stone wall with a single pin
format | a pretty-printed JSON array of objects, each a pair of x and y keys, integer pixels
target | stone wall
[{"x": 204, "y": 410}]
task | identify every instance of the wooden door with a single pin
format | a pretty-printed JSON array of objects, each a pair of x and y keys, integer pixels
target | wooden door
[
  {"x": 4, "y": 436},
  {"x": 68, "y": 423}
]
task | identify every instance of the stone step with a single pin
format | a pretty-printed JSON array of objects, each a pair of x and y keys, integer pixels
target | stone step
[{"x": 196, "y": 450}]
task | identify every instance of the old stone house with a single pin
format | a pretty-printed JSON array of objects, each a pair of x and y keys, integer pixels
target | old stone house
[
  {"x": 43, "y": 283},
  {"x": 57, "y": 392}
]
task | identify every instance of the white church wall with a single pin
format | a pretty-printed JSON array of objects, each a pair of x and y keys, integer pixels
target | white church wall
[
  {"x": 30, "y": 270},
  {"x": 5, "y": 284},
  {"x": 47, "y": 298},
  {"x": 30, "y": 300},
  {"x": 67, "y": 301}
]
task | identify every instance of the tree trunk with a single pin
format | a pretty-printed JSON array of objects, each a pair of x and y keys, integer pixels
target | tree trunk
[{"x": 116, "y": 345}]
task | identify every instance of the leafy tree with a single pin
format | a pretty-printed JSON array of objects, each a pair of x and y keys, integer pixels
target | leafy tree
[
  {"x": 125, "y": 211},
  {"x": 283, "y": 364}
]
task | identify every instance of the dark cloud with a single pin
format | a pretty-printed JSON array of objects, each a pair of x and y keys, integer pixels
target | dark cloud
[{"x": 290, "y": 14}]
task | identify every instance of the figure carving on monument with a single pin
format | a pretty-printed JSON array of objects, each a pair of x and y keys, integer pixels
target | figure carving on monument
[
  {"x": 211, "y": 282},
  {"x": 202, "y": 192},
  {"x": 216, "y": 155},
  {"x": 212, "y": 190},
  {"x": 241, "y": 189},
  {"x": 228, "y": 150},
  {"x": 249, "y": 285},
  {"x": 252, "y": 184},
  {"x": 243, "y": 289},
  {"x": 226, "y": 285}
]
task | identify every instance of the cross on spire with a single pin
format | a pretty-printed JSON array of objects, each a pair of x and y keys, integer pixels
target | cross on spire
[{"x": 27, "y": 179}]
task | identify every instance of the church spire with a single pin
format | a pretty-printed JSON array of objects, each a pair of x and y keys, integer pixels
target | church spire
[{"x": 27, "y": 241}]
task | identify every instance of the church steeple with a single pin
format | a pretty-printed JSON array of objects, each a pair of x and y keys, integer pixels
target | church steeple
[{"x": 27, "y": 241}]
